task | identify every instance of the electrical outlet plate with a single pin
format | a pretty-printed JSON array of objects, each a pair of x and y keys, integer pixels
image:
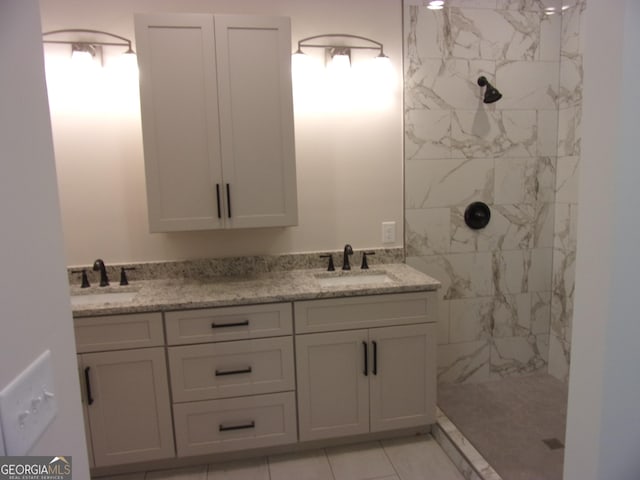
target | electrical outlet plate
[
  {"x": 27, "y": 406},
  {"x": 388, "y": 232}
]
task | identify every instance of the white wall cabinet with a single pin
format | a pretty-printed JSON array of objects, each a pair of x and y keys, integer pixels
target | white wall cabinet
[
  {"x": 126, "y": 393},
  {"x": 217, "y": 121},
  {"x": 365, "y": 380}
]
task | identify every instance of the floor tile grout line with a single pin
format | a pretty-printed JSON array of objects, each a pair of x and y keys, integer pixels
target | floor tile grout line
[
  {"x": 393, "y": 466},
  {"x": 326, "y": 455}
]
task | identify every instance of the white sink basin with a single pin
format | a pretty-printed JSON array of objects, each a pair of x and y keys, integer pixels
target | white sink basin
[
  {"x": 354, "y": 279},
  {"x": 102, "y": 298}
]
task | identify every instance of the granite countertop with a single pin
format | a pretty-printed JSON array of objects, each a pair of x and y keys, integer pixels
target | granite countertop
[{"x": 284, "y": 286}]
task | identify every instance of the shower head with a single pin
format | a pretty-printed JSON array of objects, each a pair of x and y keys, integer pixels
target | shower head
[{"x": 491, "y": 94}]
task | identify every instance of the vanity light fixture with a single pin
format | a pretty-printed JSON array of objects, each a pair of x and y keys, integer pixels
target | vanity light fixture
[
  {"x": 88, "y": 49},
  {"x": 338, "y": 47}
]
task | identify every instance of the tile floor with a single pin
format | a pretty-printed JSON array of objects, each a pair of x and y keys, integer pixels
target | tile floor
[
  {"x": 410, "y": 458},
  {"x": 508, "y": 420}
]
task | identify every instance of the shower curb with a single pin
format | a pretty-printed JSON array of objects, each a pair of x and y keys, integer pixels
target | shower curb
[{"x": 465, "y": 457}]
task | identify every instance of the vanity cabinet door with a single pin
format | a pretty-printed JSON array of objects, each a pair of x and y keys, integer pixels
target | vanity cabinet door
[
  {"x": 403, "y": 376},
  {"x": 333, "y": 384},
  {"x": 127, "y": 399}
]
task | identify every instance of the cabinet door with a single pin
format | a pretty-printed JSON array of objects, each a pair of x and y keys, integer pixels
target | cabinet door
[
  {"x": 179, "y": 107},
  {"x": 333, "y": 384},
  {"x": 256, "y": 120},
  {"x": 403, "y": 376},
  {"x": 85, "y": 414},
  {"x": 129, "y": 411}
]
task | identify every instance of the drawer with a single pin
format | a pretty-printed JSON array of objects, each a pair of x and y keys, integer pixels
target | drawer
[
  {"x": 228, "y": 323},
  {"x": 118, "y": 332},
  {"x": 231, "y": 369},
  {"x": 365, "y": 312},
  {"x": 235, "y": 424}
]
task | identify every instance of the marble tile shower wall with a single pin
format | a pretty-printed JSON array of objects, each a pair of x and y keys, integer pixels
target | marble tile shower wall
[
  {"x": 566, "y": 204},
  {"x": 497, "y": 282}
]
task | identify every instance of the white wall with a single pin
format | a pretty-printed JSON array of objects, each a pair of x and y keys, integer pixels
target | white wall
[
  {"x": 34, "y": 304},
  {"x": 349, "y": 160},
  {"x": 603, "y": 425}
]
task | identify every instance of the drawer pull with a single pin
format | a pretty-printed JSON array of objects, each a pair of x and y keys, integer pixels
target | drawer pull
[
  {"x": 225, "y": 325},
  {"x": 243, "y": 426},
  {"x": 366, "y": 359},
  {"x": 87, "y": 380},
  {"x": 218, "y": 199},
  {"x": 375, "y": 357},
  {"x": 222, "y": 373}
]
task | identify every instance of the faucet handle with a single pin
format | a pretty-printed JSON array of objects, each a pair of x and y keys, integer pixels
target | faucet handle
[
  {"x": 85, "y": 279},
  {"x": 330, "y": 267},
  {"x": 123, "y": 275},
  {"x": 365, "y": 265}
]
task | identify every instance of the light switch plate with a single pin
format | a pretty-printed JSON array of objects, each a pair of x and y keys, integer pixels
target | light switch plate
[{"x": 27, "y": 406}]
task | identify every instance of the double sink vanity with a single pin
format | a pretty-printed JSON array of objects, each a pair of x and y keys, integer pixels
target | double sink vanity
[{"x": 197, "y": 365}]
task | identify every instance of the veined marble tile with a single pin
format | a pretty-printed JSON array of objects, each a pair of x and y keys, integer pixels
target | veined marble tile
[
  {"x": 567, "y": 179},
  {"x": 491, "y": 34},
  {"x": 528, "y": 5},
  {"x": 550, "y": 36},
  {"x": 521, "y": 314},
  {"x": 487, "y": 134},
  {"x": 539, "y": 321},
  {"x": 463, "y": 275},
  {"x": 443, "y": 183},
  {"x": 519, "y": 355},
  {"x": 471, "y": 319},
  {"x": 543, "y": 225},
  {"x": 524, "y": 180},
  {"x": 571, "y": 79},
  {"x": 562, "y": 316},
  {"x": 563, "y": 289},
  {"x": 446, "y": 83},
  {"x": 569, "y": 138},
  {"x": 562, "y": 296},
  {"x": 427, "y": 134},
  {"x": 547, "y": 133},
  {"x": 528, "y": 85},
  {"x": 444, "y": 309},
  {"x": 463, "y": 362},
  {"x": 559, "y": 358},
  {"x": 521, "y": 271},
  {"x": 511, "y": 314},
  {"x": 469, "y": 274},
  {"x": 566, "y": 227},
  {"x": 570, "y": 42},
  {"x": 510, "y": 227},
  {"x": 472, "y": 3},
  {"x": 427, "y": 231},
  {"x": 426, "y": 35}
]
